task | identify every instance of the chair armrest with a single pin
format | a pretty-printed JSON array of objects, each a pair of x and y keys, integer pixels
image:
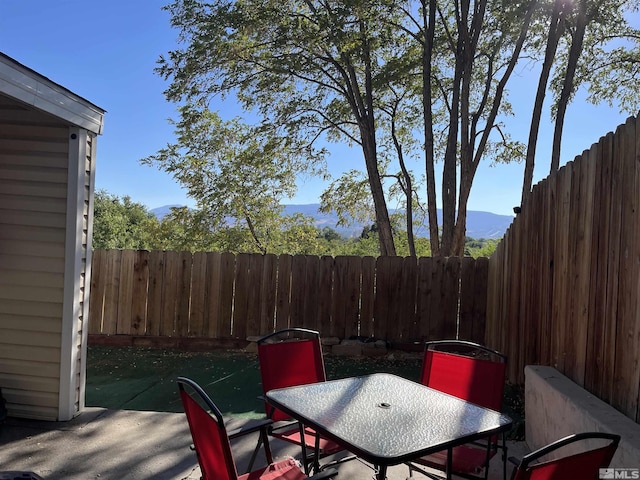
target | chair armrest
[
  {"x": 237, "y": 427},
  {"x": 328, "y": 473}
]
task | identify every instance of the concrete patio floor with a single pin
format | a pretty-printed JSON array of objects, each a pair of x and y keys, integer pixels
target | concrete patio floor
[{"x": 136, "y": 445}]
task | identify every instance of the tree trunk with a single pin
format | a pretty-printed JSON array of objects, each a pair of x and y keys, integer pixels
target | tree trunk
[
  {"x": 568, "y": 85},
  {"x": 449, "y": 171},
  {"x": 385, "y": 234},
  {"x": 407, "y": 187},
  {"x": 429, "y": 22},
  {"x": 469, "y": 160},
  {"x": 368, "y": 134},
  {"x": 556, "y": 28}
]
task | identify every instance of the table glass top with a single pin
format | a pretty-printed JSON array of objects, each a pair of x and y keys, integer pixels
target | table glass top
[{"x": 387, "y": 416}]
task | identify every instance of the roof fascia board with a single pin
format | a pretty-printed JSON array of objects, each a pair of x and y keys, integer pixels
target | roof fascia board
[{"x": 27, "y": 86}]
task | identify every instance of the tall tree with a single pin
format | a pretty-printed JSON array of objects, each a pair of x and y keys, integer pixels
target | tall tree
[
  {"x": 308, "y": 68},
  {"x": 465, "y": 73}
]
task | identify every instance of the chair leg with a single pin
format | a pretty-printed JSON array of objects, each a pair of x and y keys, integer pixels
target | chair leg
[
  {"x": 263, "y": 439},
  {"x": 264, "y": 435},
  {"x": 254, "y": 454}
]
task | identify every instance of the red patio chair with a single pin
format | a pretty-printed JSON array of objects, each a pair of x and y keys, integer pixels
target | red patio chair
[
  {"x": 212, "y": 446},
  {"x": 288, "y": 358},
  {"x": 584, "y": 465},
  {"x": 473, "y": 373}
]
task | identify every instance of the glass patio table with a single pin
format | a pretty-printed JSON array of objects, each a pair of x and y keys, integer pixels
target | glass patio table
[{"x": 387, "y": 420}]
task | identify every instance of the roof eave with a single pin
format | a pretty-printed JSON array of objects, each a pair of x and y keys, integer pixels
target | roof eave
[{"x": 28, "y": 86}]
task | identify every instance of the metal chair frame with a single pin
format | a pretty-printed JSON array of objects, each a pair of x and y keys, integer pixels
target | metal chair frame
[
  {"x": 216, "y": 416},
  {"x": 283, "y": 422}
]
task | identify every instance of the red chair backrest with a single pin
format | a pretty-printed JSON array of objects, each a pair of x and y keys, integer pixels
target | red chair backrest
[
  {"x": 210, "y": 440},
  {"x": 476, "y": 380},
  {"x": 584, "y": 466},
  {"x": 287, "y": 364}
]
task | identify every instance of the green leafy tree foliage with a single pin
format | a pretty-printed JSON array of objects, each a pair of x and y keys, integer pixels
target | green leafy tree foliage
[
  {"x": 238, "y": 176},
  {"x": 191, "y": 230},
  {"x": 120, "y": 223},
  {"x": 330, "y": 235},
  {"x": 480, "y": 247}
]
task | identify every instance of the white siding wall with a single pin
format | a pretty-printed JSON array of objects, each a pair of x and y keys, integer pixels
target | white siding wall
[{"x": 34, "y": 155}]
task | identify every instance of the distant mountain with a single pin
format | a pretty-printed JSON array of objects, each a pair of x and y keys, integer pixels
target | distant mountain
[
  {"x": 163, "y": 211},
  {"x": 479, "y": 224}
]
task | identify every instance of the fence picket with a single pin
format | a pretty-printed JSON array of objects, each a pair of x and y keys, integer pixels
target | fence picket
[
  {"x": 96, "y": 299},
  {"x": 479, "y": 311},
  {"x": 407, "y": 329},
  {"x": 183, "y": 294},
  {"x": 254, "y": 291},
  {"x": 467, "y": 297},
  {"x": 125, "y": 292},
  {"x": 325, "y": 296},
  {"x": 268, "y": 294},
  {"x": 451, "y": 296},
  {"x": 213, "y": 313},
  {"x": 352, "y": 296},
  {"x": 298, "y": 291},
  {"x": 367, "y": 296},
  {"x": 227, "y": 276},
  {"x": 154, "y": 299},
  {"x": 111, "y": 293},
  {"x": 312, "y": 290},
  {"x": 198, "y": 295},
  {"x": 340, "y": 296},
  {"x": 244, "y": 288},
  {"x": 172, "y": 265},
  {"x": 139, "y": 292},
  {"x": 424, "y": 296},
  {"x": 437, "y": 329},
  {"x": 283, "y": 294}
]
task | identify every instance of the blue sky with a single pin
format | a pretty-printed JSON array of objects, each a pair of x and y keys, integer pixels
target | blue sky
[{"x": 105, "y": 51}]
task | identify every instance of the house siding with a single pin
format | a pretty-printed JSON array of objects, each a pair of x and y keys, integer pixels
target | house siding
[{"x": 34, "y": 159}]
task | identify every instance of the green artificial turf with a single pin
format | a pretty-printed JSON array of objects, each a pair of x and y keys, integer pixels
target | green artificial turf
[{"x": 137, "y": 378}]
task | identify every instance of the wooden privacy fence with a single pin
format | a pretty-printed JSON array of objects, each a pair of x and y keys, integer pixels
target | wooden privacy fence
[
  {"x": 564, "y": 284},
  {"x": 222, "y": 295}
]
